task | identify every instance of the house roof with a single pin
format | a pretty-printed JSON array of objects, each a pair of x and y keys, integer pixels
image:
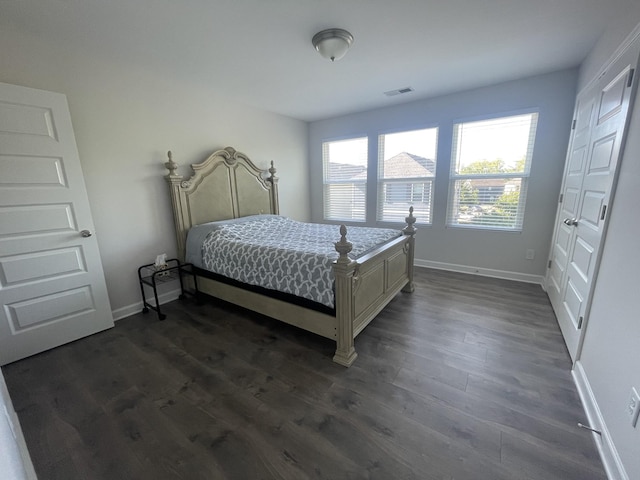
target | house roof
[
  {"x": 346, "y": 171},
  {"x": 408, "y": 165},
  {"x": 401, "y": 165}
]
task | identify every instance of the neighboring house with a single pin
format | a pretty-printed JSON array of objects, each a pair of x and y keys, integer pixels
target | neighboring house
[
  {"x": 346, "y": 171},
  {"x": 347, "y": 182},
  {"x": 400, "y": 167},
  {"x": 491, "y": 189},
  {"x": 406, "y": 180},
  {"x": 405, "y": 166}
]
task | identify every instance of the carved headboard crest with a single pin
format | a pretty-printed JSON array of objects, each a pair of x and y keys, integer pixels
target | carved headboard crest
[{"x": 226, "y": 185}]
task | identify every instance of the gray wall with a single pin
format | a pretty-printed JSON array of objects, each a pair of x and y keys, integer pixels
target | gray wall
[
  {"x": 125, "y": 118},
  {"x": 619, "y": 27},
  {"x": 497, "y": 252},
  {"x": 610, "y": 355}
]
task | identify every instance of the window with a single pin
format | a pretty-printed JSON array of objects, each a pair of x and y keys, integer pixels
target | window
[
  {"x": 490, "y": 165},
  {"x": 406, "y": 169},
  {"x": 345, "y": 179}
]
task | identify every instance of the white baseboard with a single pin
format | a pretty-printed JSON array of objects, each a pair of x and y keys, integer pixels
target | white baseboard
[
  {"x": 485, "y": 272},
  {"x": 134, "y": 308},
  {"x": 609, "y": 455}
]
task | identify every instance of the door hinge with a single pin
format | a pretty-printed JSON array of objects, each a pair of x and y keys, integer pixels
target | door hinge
[
  {"x": 573, "y": 124},
  {"x": 549, "y": 264},
  {"x": 630, "y": 80},
  {"x": 580, "y": 323},
  {"x": 561, "y": 198},
  {"x": 604, "y": 212}
]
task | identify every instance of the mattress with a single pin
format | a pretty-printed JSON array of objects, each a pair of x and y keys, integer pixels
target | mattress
[{"x": 278, "y": 253}]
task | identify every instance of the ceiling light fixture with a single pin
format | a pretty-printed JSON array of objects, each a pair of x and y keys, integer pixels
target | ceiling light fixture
[{"x": 332, "y": 43}]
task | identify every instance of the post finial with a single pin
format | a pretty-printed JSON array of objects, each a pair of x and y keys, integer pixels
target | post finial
[
  {"x": 343, "y": 247},
  {"x": 272, "y": 172},
  {"x": 410, "y": 229},
  {"x": 171, "y": 165}
]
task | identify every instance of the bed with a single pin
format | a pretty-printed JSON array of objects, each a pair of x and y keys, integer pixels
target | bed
[{"x": 228, "y": 185}]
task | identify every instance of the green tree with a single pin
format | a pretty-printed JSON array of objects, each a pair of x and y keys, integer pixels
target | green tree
[
  {"x": 508, "y": 201},
  {"x": 518, "y": 167},
  {"x": 484, "y": 166},
  {"x": 468, "y": 194},
  {"x": 503, "y": 211},
  {"x": 492, "y": 166}
]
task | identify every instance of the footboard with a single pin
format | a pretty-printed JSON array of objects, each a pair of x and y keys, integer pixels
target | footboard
[{"x": 366, "y": 286}]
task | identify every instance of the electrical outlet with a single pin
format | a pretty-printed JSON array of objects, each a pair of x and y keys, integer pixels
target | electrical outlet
[
  {"x": 633, "y": 408},
  {"x": 531, "y": 254}
]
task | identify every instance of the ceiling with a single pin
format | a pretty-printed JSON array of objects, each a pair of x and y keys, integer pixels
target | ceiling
[{"x": 259, "y": 52}]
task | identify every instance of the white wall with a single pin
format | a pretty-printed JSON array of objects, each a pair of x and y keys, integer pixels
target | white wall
[
  {"x": 624, "y": 22},
  {"x": 610, "y": 356},
  {"x": 125, "y": 119},
  {"x": 15, "y": 462},
  {"x": 553, "y": 94}
]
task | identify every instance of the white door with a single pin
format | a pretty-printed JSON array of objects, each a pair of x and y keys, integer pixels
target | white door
[
  {"x": 52, "y": 287},
  {"x": 587, "y": 190},
  {"x": 570, "y": 197}
]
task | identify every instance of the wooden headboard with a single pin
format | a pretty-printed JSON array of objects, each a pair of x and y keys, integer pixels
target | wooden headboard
[{"x": 226, "y": 185}]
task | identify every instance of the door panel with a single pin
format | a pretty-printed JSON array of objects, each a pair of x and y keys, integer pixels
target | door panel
[
  {"x": 21, "y": 118},
  {"x": 36, "y": 266},
  {"x": 591, "y": 207},
  {"x": 20, "y": 220},
  {"x": 52, "y": 287},
  {"x": 25, "y": 171},
  {"x": 51, "y": 308},
  {"x": 612, "y": 98},
  {"x": 577, "y": 161},
  {"x": 572, "y": 303},
  {"x": 589, "y": 182},
  {"x": 602, "y": 155}
]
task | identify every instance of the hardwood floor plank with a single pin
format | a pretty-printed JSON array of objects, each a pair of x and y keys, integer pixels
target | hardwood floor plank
[
  {"x": 522, "y": 400},
  {"x": 466, "y": 378},
  {"x": 508, "y": 418},
  {"x": 525, "y": 457}
]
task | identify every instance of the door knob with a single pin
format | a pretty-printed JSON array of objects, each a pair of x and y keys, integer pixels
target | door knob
[
  {"x": 572, "y": 222},
  {"x": 85, "y": 233}
]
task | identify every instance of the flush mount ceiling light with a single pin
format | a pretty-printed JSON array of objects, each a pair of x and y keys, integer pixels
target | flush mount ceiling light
[{"x": 332, "y": 43}]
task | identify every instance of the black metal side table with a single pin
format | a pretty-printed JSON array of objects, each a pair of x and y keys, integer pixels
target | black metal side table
[{"x": 149, "y": 275}]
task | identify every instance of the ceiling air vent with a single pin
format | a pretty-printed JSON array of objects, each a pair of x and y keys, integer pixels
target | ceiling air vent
[{"x": 399, "y": 91}]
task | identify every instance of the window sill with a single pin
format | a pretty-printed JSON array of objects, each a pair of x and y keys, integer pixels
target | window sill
[{"x": 484, "y": 229}]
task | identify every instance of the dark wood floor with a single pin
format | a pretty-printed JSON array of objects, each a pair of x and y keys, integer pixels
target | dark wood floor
[{"x": 466, "y": 378}]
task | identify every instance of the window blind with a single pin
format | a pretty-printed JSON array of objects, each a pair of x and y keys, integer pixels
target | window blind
[
  {"x": 345, "y": 179},
  {"x": 490, "y": 165},
  {"x": 406, "y": 170}
]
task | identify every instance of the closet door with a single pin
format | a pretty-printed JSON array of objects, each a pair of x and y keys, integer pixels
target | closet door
[{"x": 586, "y": 198}]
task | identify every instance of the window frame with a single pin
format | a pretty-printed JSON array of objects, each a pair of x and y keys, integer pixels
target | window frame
[
  {"x": 326, "y": 181},
  {"x": 523, "y": 176},
  {"x": 380, "y": 181}
]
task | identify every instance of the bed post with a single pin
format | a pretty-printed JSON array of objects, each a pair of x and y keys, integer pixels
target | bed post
[
  {"x": 410, "y": 231},
  {"x": 344, "y": 270},
  {"x": 275, "y": 208},
  {"x": 175, "y": 181}
]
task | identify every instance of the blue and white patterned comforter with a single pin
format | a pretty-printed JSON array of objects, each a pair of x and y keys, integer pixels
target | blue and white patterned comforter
[{"x": 281, "y": 254}]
